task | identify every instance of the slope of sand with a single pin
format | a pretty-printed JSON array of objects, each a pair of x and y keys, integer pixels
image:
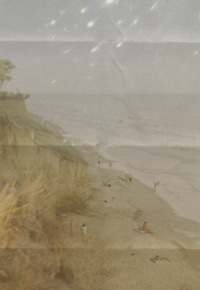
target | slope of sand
[{"x": 115, "y": 256}]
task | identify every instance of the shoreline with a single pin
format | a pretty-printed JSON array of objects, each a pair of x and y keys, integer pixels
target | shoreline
[
  {"x": 186, "y": 228},
  {"x": 183, "y": 228},
  {"x": 115, "y": 256}
]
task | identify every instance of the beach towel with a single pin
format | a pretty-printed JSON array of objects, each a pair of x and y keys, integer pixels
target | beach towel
[{"x": 140, "y": 230}]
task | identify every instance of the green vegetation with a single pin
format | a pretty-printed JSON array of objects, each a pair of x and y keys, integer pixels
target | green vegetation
[
  {"x": 45, "y": 137},
  {"x": 5, "y": 75},
  {"x": 5, "y": 71},
  {"x": 6, "y": 95}
]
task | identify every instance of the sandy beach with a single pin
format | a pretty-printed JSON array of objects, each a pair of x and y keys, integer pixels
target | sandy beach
[{"x": 117, "y": 257}]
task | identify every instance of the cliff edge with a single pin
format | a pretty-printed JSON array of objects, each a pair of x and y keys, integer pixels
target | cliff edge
[{"x": 41, "y": 178}]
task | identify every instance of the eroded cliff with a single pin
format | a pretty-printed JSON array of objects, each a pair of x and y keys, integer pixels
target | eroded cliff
[{"x": 41, "y": 178}]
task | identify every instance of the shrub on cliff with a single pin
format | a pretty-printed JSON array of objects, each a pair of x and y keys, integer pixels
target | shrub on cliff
[
  {"x": 5, "y": 96},
  {"x": 5, "y": 71}
]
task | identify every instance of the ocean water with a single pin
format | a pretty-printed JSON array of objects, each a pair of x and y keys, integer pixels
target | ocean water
[{"x": 154, "y": 137}]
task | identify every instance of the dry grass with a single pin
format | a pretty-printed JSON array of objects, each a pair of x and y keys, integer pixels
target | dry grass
[
  {"x": 30, "y": 237},
  {"x": 24, "y": 213}
]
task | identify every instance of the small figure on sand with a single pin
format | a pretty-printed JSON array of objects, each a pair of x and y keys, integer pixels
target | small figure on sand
[
  {"x": 143, "y": 229},
  {"x": 158, "y": 258},
  {"x": 72, "y": 230},
  {"x": 130, "y": 177},
  {"x": 32, "y": 135},
  {"x": 109, "y": 183},
  {"x": 84, "y": 232},
  {"x": 156, "y": 184},
  {"x": 110, "y": 163},
  {"x": 99, "y": 160},
  {"x": 111, "y": 200}
]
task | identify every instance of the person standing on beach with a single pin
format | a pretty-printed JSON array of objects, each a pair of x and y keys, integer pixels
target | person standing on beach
[
  {"x": 84, "y": 232},
  {"x": 109, "y": 184},
  {"x": 126, "y": 177},
  {"x": 110, "y": 163},
  {"x": 72, "y": 230},
  {"x": 130, "y": 178},
  {"x": 99, "y": 160}
]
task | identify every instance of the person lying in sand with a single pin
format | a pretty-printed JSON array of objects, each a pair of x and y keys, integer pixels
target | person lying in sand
[
  {"x": 111, "y": 200},
  {"x": 158, "y": 258},
  {"x": 130, "y": 177}
]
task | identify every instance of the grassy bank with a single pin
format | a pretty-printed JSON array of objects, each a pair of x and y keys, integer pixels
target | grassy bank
[{"x": 44, "y": 136}]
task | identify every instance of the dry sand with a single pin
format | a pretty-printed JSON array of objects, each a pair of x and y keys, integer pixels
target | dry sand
[{"x": 115, "y": 256}]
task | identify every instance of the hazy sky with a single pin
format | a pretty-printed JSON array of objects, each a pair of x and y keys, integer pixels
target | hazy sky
[{"x": 102, "y": 46}]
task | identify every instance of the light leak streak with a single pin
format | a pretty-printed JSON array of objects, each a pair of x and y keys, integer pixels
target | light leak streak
[
  {"x": 54, "y": 81},
  {"x": 120, "y": 21},
  {"x": 92, "y": 64},
  {"x": 94, "y": 49},
  {"x": 196, "y": 52},
  {"x": 134, "y": 22},
  {"x": 84, "y": 10},
  {"x": 68, "y": 50},
  {"x": 53, "y": 37},
  {"x": 64, "y": 29},
  {"x": 119, "y": 44},
  {"x": 53, "y": 22},
  {"x": 90, "y": 24},
  {"x": 62, "y": 12},
  {"x": 154, "y": 5}
]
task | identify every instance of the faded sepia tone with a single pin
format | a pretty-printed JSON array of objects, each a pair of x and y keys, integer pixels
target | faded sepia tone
[{"x": 99, "y": 145}]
